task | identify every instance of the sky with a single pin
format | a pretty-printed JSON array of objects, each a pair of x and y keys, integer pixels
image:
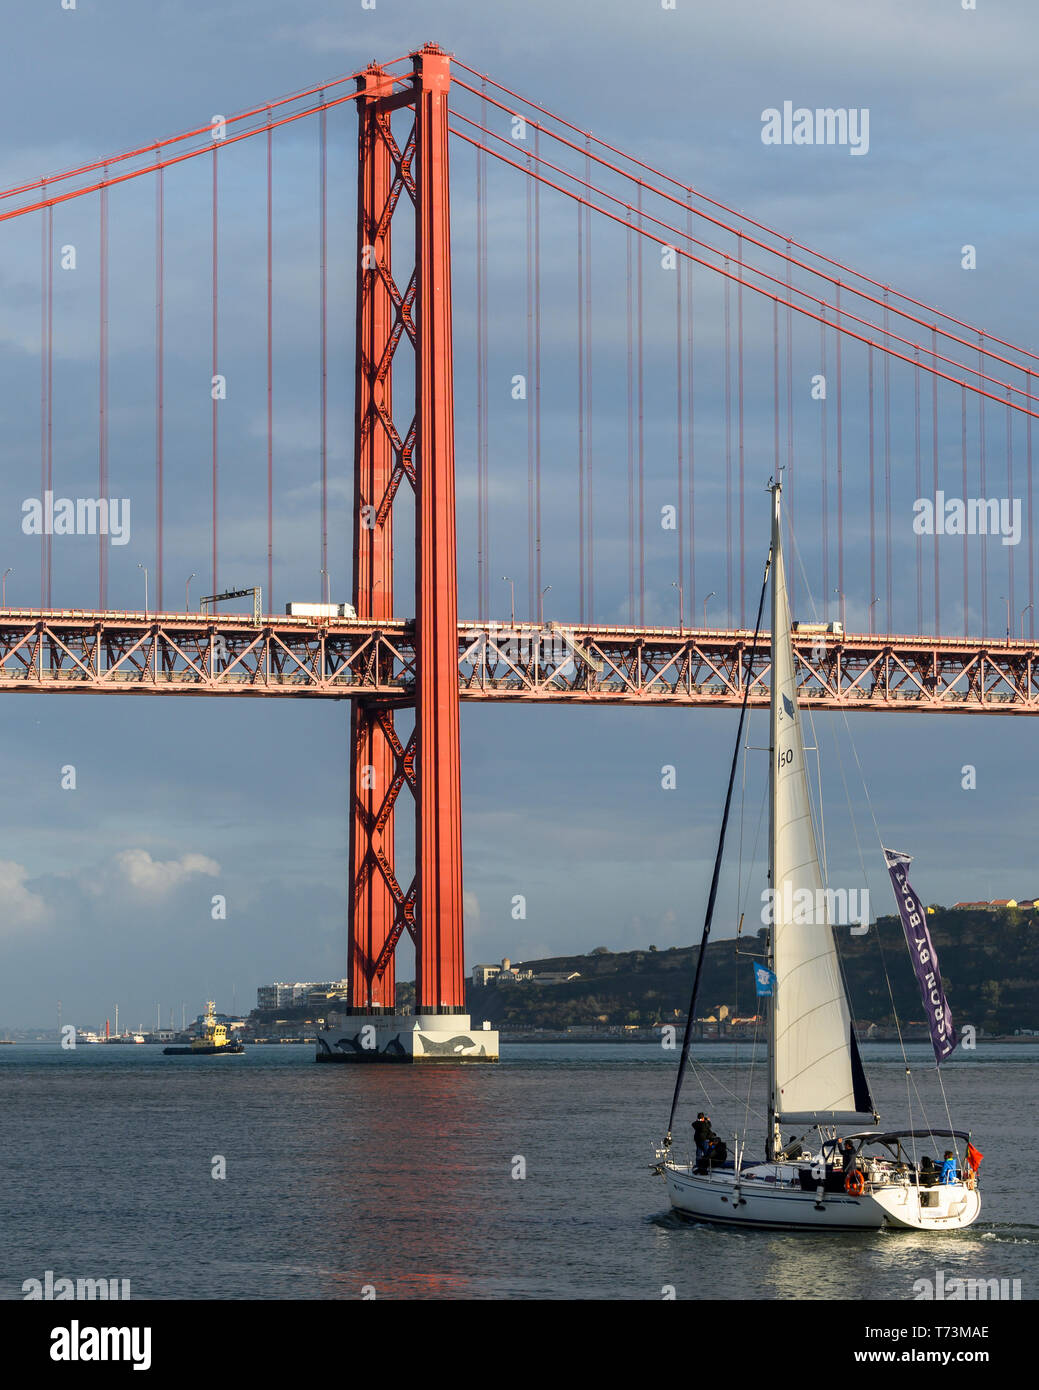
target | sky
[{"x": 107, "y": 887}]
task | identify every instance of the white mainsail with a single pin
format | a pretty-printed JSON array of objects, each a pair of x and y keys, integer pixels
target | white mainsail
[{"x": 816, "y": 1074}]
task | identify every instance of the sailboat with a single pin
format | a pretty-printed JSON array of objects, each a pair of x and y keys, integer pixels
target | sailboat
[{"x": 838, "y": 1169}]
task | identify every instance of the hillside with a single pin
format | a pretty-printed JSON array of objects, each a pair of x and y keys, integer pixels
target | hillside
[{"x": 989, "y": 961}]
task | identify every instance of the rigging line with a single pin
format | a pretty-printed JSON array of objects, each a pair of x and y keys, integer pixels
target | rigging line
[
  {"x": 699, "y": 1069},
  {"x": 44, "y": 264},
  {"x": 481, "y": 350},
  {"x": 789, "y": 509},
  {"x": 703, "y": 197},
  {"x": 717, "y": 270},
  {"x": 718, "y": 859}
]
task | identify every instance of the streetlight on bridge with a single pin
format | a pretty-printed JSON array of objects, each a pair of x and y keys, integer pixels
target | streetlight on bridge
[
  {"x": 681, "y": 604},
  {"x": 712, "y": 594},
  {"x": 140, "y": 566},
  {"x": 876, "y": 600},
  {"x": 187, "y": 585},
  {"x": 841, "y": 597},
  {"x": 3, "y": 585},
  {"x": 1023, "y": 612},
  {"x": 512, "y": 603},
  {"x": 541, "y": 605},
  {"x": 1007, "y": 602}
]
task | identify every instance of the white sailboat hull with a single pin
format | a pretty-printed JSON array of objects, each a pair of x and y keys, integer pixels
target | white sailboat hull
[{"x": 771, "y": 1198}]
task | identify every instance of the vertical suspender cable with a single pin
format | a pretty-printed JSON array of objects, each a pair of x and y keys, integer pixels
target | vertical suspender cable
[
  {"x": 43, "y": 393},
  {"x": 887, "y": 474},
  {"x": 482, "y": 593},
  {"x": 537, "y": 369},
  {"x": 641, "y": 436},
  {"x": 588, "y": 390},
  {"x": 934, "y": 470},
  {"x": 631, "y": 430},
  {"x": 823, "y": 469},
  {"x": 1010, "y": 495},
  {"x": 691, "y": 452},
  {"x": 728, "y": 445},
  {"x": 102, "y": 433},
  {"x": 872, "y": 498},
  {"x": 1031, "y": 545},
  {"x": 531, "y": 598},
  {"x": 323, "y": 199},
  {"x": 789, "y": 508},
  {"x": 739, "y": 427},
  {"x": 963, "y": 457},
  {"x": 580, "y": 413},
  {"x": 270, "y": 364},
  {"x": 160, "y": 376},
  {"x": 840, "y": 449},
  {"x": 49, "y": 540},
  {"x": 919, "y": 484},
  {"x": 213, "y": 391},
  {"x": 679, "y": 440},
  {"x": 982, "y": 493}
]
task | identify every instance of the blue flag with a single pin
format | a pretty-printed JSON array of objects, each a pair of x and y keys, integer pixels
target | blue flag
[{"x": 764, "y": 981}]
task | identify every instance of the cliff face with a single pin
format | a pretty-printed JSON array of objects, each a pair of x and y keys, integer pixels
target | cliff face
[{"x": 989, "y": 962}]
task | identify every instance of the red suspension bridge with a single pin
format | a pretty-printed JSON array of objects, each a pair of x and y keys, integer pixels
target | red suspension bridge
[{"x": 636, "y": 358}]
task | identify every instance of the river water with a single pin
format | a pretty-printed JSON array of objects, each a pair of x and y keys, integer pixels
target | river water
[{"x": 530, "y": 1179}]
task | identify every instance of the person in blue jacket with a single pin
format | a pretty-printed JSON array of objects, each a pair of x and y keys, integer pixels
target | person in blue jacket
[{"x": 949, "y": 1168}]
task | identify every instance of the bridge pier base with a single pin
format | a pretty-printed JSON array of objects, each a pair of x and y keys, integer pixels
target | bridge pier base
[{"x": 407, "y": 1038}]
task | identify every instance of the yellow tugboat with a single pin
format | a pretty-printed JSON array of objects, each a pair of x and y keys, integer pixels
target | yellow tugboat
[{"x": 213, "y": 1039}]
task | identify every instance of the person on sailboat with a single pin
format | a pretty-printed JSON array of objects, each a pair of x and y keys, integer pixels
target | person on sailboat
[
  {"x": 850, "y": 1157},
  {"x": 949, "y": 1168},
  {"x": 701, "y": 1133}
]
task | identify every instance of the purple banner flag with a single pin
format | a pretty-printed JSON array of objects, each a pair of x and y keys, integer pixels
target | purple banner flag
[{"x": 925, "y": 961}]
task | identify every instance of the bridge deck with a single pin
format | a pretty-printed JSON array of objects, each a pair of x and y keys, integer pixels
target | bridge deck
[{"x": 192, "y": 654}]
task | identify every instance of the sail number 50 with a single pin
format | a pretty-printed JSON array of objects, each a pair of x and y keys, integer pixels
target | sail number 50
[{"x": 786, "y": 756}]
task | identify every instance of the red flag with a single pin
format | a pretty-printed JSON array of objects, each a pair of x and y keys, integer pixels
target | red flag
[{"x": 973, "y": 1157}]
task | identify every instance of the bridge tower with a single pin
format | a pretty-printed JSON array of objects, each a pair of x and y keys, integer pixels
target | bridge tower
[{"x": 398, "y": 310}]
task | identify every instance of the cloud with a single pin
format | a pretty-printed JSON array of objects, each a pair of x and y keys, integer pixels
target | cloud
[
  {"x": 22, "y": 908},
  {"x": 158, "y": 877}
]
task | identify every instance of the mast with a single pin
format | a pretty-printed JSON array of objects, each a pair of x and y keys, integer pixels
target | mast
[{"x": 772, "y": 1135}]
